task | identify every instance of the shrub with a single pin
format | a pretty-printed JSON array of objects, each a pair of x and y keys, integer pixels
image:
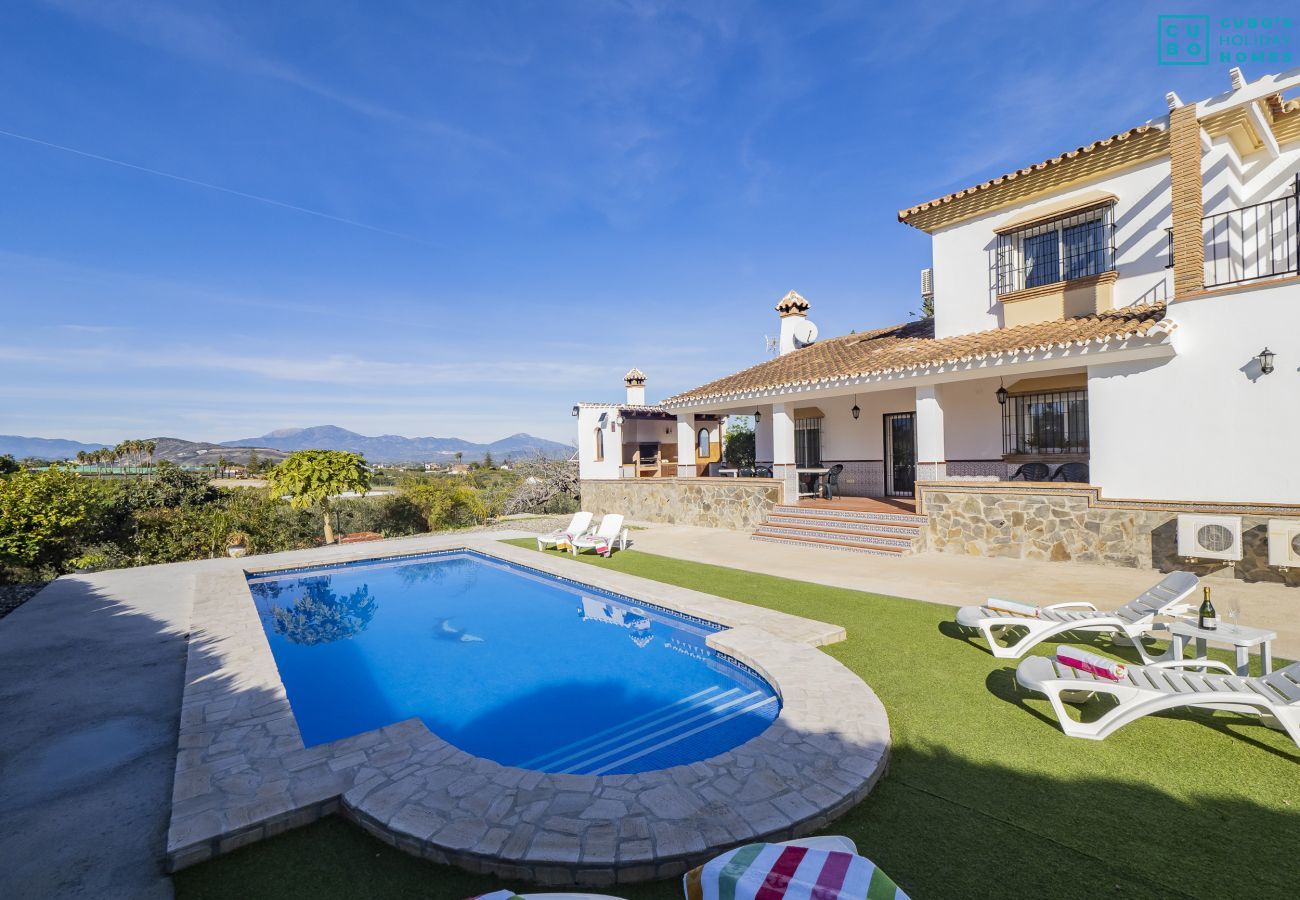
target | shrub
[{"x": 43, "y": 519}]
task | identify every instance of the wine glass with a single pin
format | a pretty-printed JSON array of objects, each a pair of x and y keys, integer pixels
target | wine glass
[{"x": 1234, "y": 609}]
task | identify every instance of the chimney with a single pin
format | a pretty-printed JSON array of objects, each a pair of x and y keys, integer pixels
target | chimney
[
  {"x": 1185, "y": 197},
  {"x": 635, "y": 381},
  {"x": 796, "y": 330}
]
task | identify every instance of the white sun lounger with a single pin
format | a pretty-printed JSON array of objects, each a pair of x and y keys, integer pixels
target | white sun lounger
[
  {"x": 578, "y": 525},
  {"x": 610, "y": 533},
  {"x": 1165, "y": 685},
  {"x": 1131, "y": 620}
]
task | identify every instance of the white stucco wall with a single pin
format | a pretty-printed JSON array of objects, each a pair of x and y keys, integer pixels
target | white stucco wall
[
  {"x": 965, "y": 255},
  {"x": 1206, "y": 425},
  {"x": 588, "y": 466},
  {"x": 844, "y": 437},
  {"x": 972, "y": 420}
]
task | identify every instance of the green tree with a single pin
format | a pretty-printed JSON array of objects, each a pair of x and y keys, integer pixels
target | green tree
[
  {"x": 42, "y": 515},
  {"x": 310, "y": 478},
  {"x": 740, "y": 446},
  {"x": 487, "y": 460},
  {"x": 8, "y": 465}
]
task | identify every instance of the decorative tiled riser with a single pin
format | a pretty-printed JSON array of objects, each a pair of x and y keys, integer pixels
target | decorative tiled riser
[
  {"x": 740, "y": 504},
  {"x": 1066, "y": 527}
]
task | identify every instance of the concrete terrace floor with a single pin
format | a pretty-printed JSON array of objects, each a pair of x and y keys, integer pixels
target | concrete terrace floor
[
  {"x": 962, "y": 580},
  {"x": 92, "y": 672}
]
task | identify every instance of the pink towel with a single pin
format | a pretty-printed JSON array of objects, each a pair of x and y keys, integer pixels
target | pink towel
[{"x": 1091, "y": 663}]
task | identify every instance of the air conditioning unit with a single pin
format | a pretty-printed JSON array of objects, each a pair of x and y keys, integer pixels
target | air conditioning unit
[
  {"x": 1284, "y": 542},
  {"x": 927, "y": 284},
  {"x": 1209, "y": 537}
]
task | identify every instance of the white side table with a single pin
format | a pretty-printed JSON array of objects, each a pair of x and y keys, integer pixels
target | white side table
[{"x": 1183, "y": 632}]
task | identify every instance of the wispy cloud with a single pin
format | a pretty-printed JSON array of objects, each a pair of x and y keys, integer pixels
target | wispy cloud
[{"x": 204, "y": 37}]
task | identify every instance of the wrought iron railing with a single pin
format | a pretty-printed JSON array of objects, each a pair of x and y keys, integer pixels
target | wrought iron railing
[{"x": 1257, "y": 241}]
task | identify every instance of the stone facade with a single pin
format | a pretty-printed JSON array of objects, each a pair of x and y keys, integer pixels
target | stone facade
[
  {"x": 1073, "y": 523},
  {"x": 740, "y": 504}
]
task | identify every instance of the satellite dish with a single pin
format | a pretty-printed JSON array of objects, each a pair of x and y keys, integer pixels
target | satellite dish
[{"x": 804, "y": 333}]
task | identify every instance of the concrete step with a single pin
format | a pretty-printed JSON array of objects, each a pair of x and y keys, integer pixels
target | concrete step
[
  {"x": 865, "y": 538},
  {"x": 827, "y": 545},
  {"x": 852, "y": 515},
  {"x": 827, "y": 523}
]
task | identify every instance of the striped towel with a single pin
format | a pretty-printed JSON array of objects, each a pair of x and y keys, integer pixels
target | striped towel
[
  {"x": 1091, "y": 663},
  {"x": 775, "y": 871},
  {"x": 1012, "y": 607}
]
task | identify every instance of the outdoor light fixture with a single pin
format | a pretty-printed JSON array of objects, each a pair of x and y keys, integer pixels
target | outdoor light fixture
[
  {"x": 1265, "y": 360},
  {"x": 758, "y": 417},
  {"x": 1002, "y": 393},
  {"x": 618, "y": 421},
  {"x": 574, "y": 412},
  {"x": 856, "y": 412}
]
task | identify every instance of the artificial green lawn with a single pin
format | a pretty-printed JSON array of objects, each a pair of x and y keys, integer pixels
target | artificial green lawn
[{"x": 984, "y": 796}]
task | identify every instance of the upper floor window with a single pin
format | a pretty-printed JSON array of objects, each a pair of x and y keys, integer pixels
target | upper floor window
[{"x": 1061, "y": 249}]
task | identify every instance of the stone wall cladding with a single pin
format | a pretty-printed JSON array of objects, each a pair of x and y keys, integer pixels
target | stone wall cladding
[
  {"x": 1072, "y": 525},
  {"x": 739, "y": 504}
]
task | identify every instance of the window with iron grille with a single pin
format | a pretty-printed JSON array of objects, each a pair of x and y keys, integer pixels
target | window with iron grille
[
  {"x": 807, "y": 443},
  {"x": 1062, "y": 249},
  {"x": 1048, "y": 422}
]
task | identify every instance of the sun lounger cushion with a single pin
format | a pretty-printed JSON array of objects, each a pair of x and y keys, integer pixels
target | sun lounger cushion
[
  {"x": 1012, "y": 607},
  {"x": 775, "y": 871},
  {"x": 1091, "y": 663}
]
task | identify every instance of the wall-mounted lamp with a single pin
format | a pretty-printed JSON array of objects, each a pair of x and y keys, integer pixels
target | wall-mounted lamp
[
  {"x": 574, "y": 412},
  {"x": 1265, "y": 360},
  {"x": 618, "y": 421},
  {"x": 758, "y": 417},
  {"x": 668, "y": 429},
  {"x": 1002, "y": 393},
  {"x": 855, "y": 410}
]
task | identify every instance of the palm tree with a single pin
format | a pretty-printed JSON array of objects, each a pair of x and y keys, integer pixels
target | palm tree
[
  {"x": 222, "y": 462},
  {"x": 150, "y": 447},
  {"x": 312, "y": 477}
]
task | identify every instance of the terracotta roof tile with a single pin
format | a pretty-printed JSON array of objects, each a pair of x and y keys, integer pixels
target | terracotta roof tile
[
  {"x": 912, "y": 345},
  {"x": 904, "y": 214}
]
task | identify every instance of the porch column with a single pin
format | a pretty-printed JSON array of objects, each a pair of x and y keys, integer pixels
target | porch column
[
  {"x": 931, "y": 463},
  {"x": 783, "y": 452},
  {"x": 686, "y": 446}
]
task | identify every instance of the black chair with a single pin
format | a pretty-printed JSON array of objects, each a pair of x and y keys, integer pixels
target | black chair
[
  {"x": 745, "y": 473},
  {"x": 1032, "y": 472},
  {"x": 762, "y": 471},
  {"x": 1072, "y": 471},
  {"x": 831, "y": 480}
]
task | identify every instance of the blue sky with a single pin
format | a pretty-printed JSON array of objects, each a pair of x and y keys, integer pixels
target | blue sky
[{"x": 500, "y": 207}]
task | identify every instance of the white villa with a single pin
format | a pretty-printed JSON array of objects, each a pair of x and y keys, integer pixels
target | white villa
[{"x": 1130, "y": 307}]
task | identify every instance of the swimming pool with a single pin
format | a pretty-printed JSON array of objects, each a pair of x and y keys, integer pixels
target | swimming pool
[{"x": 506, "y": 663}]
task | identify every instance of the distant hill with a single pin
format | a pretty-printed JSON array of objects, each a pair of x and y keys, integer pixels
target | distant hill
[
  {"x": 181, "y": 452},
  {"x": 386, "y": 448},
  {"x": 42, "y": 448},
  {"x": 393, "y": 448}
]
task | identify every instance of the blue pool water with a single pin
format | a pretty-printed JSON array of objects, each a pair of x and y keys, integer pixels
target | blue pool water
[{"x": 505, "y": 663}]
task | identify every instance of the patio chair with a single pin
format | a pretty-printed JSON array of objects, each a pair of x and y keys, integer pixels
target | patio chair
[
  {"x": 560, "y": 539},
  {"x": 831, "y": 480},
  {"x": 1129, "y": 622},
  {"x": 1032, "y": 472},
  {"x": 762, "y": 471},
  {"x": 1072, "y": 471},
  {"x": 1165, "y": 685},
  {"x": 745, "y": 473},
  {"x": 603, "y": 539}
]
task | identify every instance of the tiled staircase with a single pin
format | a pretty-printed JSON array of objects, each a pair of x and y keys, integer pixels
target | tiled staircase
[{"x": 880, "y": 533}]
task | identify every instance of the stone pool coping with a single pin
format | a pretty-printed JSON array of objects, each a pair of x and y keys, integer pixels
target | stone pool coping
[{"x": 243, "y": 774}]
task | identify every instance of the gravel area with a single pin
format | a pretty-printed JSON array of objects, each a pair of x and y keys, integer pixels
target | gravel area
[{"x": 13, "y": 596}]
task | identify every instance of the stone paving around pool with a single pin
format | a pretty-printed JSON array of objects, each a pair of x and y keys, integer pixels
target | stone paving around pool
[{"x": 243, "y": 774}]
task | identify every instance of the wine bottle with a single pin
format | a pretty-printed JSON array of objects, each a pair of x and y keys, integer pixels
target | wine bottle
[{"x": 1208, "y": 620}]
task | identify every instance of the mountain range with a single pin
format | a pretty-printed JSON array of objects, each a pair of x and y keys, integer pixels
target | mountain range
[{"x": 386, "y": 448}]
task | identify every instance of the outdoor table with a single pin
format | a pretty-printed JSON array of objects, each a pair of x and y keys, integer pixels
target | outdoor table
[
  {"x": 816, "y": 472},
  {"x": 1184, "y": 631},
  {"x": 729, "y": 473}
]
